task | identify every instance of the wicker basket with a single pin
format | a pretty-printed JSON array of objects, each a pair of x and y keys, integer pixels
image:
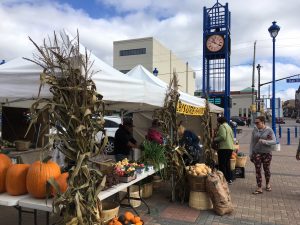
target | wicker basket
[
  {"x": 197, "y": 183},
  {"x": 109, "y": 211},
  {"x": 232, "y": 164},
  {"x": 134, "y": 192},
  {"x": 147, "y": 190},
  {"x": 200, "y": 200},
  {"x": 22, "y": 145},
  {"x": 241, "y": 161}
]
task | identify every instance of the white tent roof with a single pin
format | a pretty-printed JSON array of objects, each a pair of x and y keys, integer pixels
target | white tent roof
[
  {"x": 140, "y": 72},
  {"x": 20, "y": 78}
]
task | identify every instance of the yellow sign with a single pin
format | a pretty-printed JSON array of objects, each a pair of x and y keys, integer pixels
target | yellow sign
[{"x": 189, "y": 109}]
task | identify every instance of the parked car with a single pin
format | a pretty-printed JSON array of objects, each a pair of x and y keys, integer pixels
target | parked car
[
  {"x": 280, "y": 120},
  {"x": 238, "y": 120},
  {"x": 111, "y": 125},
  {"x": 232, "y": 124}
]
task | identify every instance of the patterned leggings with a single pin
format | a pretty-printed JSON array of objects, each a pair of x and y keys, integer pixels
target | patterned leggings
[{"x": 265, "y": 159}]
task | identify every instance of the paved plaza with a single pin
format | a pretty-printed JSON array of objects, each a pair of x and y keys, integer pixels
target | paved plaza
[{"x": 280, "y": 206}]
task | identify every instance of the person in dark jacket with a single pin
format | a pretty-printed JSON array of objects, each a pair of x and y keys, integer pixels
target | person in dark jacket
[
  {"x": 191, "y": 143},
  {"x": 124, "y": 141}
]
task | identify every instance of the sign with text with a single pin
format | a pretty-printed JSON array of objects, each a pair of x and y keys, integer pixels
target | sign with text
[{"x": 295, "y": 80}]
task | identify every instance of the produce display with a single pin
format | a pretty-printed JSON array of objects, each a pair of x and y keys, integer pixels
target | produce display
[
  {"x": 37, "y": 176},
  {"x": 62, "y": 181},
  {"x": 16, "y": 179},
  {"x": 125, "y": 168},
  {"x": 128, "y": 218},
  {"x": 5, "y": 163},
  {"x": 199, "y": 169}
]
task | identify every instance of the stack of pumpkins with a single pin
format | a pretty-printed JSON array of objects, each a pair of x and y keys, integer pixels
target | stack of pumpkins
[
  {"x": 19, "y": 179},
  {"x": 127, "y": 219}
]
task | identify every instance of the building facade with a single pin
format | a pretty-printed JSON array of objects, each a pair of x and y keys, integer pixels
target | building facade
[{"x": 152, "y": 54}]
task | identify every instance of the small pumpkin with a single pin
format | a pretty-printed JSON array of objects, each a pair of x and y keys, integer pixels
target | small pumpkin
[
  {"x": 16, "y": 179},
  {"x": 5, "y": 163},
  {"x": 62, "y": 181},
  {"x": 37, "y": 176},
  {"x": 136, "y": 219},
  {"x": 128, "y": 216}
]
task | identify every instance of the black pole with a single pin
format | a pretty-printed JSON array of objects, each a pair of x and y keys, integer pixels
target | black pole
[{"x": 258, "y": 89}]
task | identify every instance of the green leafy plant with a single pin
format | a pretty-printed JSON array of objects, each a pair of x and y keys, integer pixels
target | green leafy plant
[{"x": 154, "y": 154}]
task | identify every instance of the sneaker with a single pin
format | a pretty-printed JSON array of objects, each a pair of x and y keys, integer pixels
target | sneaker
[{"x": 230, "y": 182}]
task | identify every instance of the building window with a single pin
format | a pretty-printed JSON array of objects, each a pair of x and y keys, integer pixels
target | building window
[
  {"x": 240, "y": 112},
  {"x": 138, "y": 51}
]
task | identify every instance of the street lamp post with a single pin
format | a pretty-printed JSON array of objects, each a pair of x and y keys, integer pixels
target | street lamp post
[{"x": 273, "y": 30}]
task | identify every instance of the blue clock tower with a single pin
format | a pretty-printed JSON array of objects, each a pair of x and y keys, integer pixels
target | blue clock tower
[{"x": 216, "y": 56}]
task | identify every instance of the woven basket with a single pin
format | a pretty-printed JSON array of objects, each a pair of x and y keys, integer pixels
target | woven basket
[
  {"x": 109, "y": 211},
  {"x": 22, "y": 145},
  {"x": 200, "y": 200},
  {"x": 197, "y": 183},
  {"x": 232, "y": 164},
  {"x": 147, "y": 190},
  {"x": 134, "y": 192},
  {"x": 241, "y": 161}
]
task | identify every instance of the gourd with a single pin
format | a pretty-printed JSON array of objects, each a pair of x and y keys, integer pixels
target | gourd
[
  {"x": 62, "y": 181},
  {"x": 16, "y": 179},
  {"x": 129, "y": 216},
  {"x": 37, "y": 176},
  {"x": 5, "y": 163}
]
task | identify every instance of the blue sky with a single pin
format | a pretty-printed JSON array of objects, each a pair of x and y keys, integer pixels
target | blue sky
[{"x": 176, "y": 24}]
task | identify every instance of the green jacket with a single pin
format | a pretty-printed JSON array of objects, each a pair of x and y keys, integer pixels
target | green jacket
[{"x": 225, "y": 137}]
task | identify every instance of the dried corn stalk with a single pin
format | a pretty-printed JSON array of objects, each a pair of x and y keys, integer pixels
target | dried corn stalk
[
  {"x": 206, "y": 137},
  {"x": 168, "y": 120},
  {"x": 76, "y": 111}
]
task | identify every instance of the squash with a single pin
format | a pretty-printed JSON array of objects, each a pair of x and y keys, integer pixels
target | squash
[
  {"x": 136, "y": 219},
  {"x": 37, "y": 176},
  {"x": 16, "y": 179},
  {"x": 128, "y": 216},
  {"x": 5, "y": 163},
  {"x": 62, "y": 181}
]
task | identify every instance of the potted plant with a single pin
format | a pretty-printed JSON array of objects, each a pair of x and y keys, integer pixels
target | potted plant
[{"x": 154, "y": 154}]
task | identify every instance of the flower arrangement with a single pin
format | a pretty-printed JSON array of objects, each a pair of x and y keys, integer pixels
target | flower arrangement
[{"x": 125, "y": 168}]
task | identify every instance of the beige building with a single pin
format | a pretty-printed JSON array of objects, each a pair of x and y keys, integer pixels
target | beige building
[{"x": 152, "y": 54}]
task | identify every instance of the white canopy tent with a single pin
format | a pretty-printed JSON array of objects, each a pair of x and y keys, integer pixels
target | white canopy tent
[
  {"x": 140, "y": 72},
  {"x": 143, "y": 119},
  {"x": 20, "y": 78}
]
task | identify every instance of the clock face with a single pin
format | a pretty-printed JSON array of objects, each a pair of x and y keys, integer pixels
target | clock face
[{"x": 215, "y": 43}]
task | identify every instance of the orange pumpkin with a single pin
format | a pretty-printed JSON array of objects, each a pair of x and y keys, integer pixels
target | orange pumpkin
[
  {"x": 16, "y": 179},
  {"x": 129, "y": 216},
  {"x": 233, "y": 155},
  {"x": 62, "y": 181},
  {"x": 136, "y": 219},
  {"x": 37, "y": 176},
  {"x": 139, "y": 223},
  {"x": 5, "y": 163}
]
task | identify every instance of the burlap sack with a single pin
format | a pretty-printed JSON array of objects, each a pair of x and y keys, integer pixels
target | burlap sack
[{"x": 217, "y": 189}]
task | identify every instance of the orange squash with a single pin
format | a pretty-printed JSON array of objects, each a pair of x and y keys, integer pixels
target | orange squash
[
  {"x": 136, "y": 219},
  {"x": 5, "y": 163},
  {"x": 233, "y": 155},
  {"x": 62, "y": 181},
  {"x": 37, "y": 176},
  {"x": 16, "y": 179},
  {"x": 139, "y": 223},
  {"x": 129, "y": 216}
]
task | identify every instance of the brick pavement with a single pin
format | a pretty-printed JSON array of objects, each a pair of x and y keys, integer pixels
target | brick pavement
[{"x": 281, "y": 206}]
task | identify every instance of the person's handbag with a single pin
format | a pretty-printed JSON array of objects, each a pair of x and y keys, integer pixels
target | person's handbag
[{"x": 277, "y": 147}]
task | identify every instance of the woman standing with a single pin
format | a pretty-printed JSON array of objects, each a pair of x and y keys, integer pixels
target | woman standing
[
  {"x": 262, "y": 143},
  {"x": 225, "y": 140}
]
